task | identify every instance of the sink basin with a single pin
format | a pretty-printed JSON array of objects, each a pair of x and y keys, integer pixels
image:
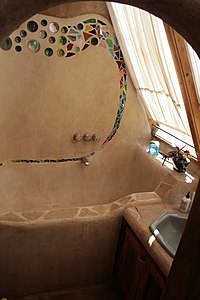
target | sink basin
[{"x": 168, "y": 229}]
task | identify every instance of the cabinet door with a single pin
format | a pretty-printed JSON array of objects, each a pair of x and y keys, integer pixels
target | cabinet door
[
  {"x": 125, "y": 265},
  {"x": 130, "y": 266},
  {"x": 152, "y": 290},
  {"x": 155, "y": 282},
  {"x": 135, "y": 271}
]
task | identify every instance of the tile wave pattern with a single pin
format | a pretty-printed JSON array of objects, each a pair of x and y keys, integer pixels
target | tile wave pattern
[
  {"x": 72, "y": 39},
  {"x": 117, "y": 207}
]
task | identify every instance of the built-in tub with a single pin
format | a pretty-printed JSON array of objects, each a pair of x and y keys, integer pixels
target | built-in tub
[
  {"x": 28, "y": 188},
  {"x": 63, "y": 247}
]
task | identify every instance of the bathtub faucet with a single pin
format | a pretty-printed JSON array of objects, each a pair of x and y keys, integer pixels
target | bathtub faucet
[{"x": 85, "y": 161}]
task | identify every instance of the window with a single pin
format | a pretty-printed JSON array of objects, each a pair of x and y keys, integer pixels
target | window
[{"x": 146, "y": 50}]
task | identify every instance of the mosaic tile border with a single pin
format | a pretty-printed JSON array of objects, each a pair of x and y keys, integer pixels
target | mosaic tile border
[
  {"x": 71, "y": 41},
  {"x": 62, "y": 213}
]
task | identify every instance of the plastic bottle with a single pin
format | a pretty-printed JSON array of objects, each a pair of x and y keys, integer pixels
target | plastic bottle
[
  {"x": 185, "y": 203},
  {"x": 154, "y": 147}
]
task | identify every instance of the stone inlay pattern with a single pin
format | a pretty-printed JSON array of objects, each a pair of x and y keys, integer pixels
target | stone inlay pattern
[
  {"x": 64, "y": 41},
  {"x": 115, "y": 207},
  {"x": 175, "y": 184}
]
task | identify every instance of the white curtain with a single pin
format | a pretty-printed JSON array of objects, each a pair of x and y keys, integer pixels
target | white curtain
[{"x": 145, "y": 48}]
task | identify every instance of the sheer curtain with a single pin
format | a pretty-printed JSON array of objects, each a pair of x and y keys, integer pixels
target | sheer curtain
[{"x": 147, "y": 54}]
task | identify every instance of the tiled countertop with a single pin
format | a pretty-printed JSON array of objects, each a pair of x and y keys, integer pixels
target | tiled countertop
[{"x": 139, "y": 215}]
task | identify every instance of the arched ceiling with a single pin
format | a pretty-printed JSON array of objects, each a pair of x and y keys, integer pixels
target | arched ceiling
[{"x": 182, "y": 15}]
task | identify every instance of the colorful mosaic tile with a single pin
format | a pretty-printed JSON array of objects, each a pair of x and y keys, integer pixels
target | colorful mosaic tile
[
  {"x": 44, "y": 22},
  {"x": 17, "y": 39},
  {"x": 43, "y": 34},
  {"x": 60, "y": 52},
  {"x": 32, "y": 26},
  {"x": 6, "y": 44},
  {"x": 33, "y": 46},
  {"x": 52, "y": 39},
  {"x": 23, "y": 33},
  {"x": 48, "y": 52},
  {"x": 18, "y": 48},
  {"x": 70, "y": 41},
  {"x": 90, "y": 21},
  {"x": 53, "y": 27},
  {"x": 64, "y": 29},
  {"x": 62, "y": 40},
  {"x": 80, "y": 26}
]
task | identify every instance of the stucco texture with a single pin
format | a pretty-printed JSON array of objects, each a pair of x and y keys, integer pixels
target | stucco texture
[{"x": 49, "y": 100}]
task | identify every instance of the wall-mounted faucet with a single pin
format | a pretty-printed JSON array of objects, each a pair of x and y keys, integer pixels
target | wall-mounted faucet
[{"x": 85, "y": 161}]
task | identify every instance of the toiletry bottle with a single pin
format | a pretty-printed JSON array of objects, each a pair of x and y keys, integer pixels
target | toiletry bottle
[
  {"x": 185, "y": 204},
  {"x": 154, "y": 147}
]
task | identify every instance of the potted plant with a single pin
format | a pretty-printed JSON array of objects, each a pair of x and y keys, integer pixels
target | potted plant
[{"x": 180, "y": 158}]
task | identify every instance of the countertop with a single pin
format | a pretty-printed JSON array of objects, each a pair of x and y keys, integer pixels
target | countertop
[{"x": 139, "y": 216}]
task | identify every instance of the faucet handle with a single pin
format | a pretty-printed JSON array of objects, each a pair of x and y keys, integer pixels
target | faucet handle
[
  {"x": 77, "y": 137},
  {"x": 96, "y": 137},
  {"x": 87, "y": 137}
]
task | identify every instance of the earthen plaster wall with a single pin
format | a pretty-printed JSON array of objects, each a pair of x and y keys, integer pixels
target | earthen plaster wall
[
  {"x": 44, "y": 102},
  {"x": 61, "y": 250}
]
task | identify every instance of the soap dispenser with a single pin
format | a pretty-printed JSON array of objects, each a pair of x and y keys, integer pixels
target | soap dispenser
[{"x": 185, "y": 203}]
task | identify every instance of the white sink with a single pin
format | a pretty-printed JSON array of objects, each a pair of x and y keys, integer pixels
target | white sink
[{"x": 168, "y": 229}]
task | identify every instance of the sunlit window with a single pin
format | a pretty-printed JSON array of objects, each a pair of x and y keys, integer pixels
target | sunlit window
[{"x": 147, "y": 53}]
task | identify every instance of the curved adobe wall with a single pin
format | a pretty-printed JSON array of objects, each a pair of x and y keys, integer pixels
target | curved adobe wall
[
  {"x": 183, "y": 16},
  {"x": 69, "y": 86},
  {"x": 48, "y": 102},
  {"x": 45, "y": 186}
]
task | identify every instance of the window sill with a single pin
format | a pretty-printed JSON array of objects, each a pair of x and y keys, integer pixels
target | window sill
[{"x": 177, "y": 139}]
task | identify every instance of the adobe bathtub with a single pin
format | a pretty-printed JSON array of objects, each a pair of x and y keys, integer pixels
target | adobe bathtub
[{"x": 57, "y": 247}]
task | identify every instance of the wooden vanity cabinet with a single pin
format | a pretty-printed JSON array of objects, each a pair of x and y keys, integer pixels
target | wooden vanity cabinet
[{"x": 135, "y": 271}]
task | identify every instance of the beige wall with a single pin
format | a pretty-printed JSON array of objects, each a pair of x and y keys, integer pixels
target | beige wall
[
  {"x": 72, "y": 9},
  {"x": 41, "y": 107},
  {"x": 52, "y": 98},
  {"x": 44, "y": 101}
]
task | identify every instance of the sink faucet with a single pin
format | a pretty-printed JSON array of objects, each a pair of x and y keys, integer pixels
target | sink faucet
[{"x": 85, "y": 161}]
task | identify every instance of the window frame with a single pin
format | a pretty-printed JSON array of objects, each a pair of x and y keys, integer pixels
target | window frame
[{"x": 184, "y": 72}]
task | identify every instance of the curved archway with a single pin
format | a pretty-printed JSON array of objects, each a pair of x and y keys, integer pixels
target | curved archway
[{"x": 183, "y": 16}]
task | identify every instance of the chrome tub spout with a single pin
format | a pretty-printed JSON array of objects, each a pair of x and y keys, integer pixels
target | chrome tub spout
[{"x": 85, "y": 161}]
